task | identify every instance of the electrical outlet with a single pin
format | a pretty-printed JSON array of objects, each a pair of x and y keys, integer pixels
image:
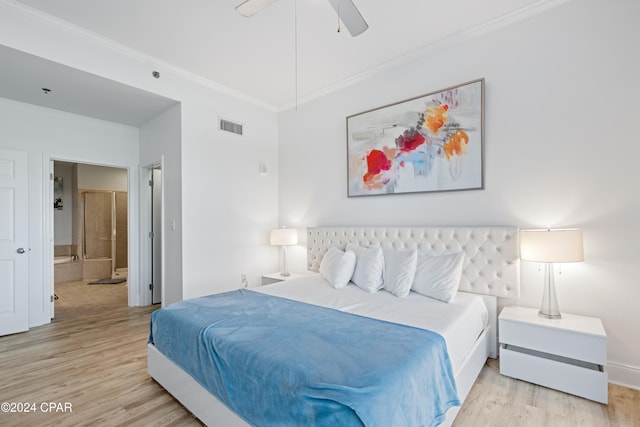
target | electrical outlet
[{"x": 245, "y": 282}]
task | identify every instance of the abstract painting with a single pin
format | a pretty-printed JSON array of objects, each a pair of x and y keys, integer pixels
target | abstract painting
[{"x": 433, "y": 142}]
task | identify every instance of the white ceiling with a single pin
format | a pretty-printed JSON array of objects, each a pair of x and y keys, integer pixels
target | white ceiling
[
  {"x": 257, "y": 56},
  {"x": 23, "y": 77}
]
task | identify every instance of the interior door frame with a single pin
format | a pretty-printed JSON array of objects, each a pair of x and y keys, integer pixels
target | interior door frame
[
  {"x": 133, "y": 275},
  {"x": 158, "y": 235},
  {"x": 146, "y": 227}
]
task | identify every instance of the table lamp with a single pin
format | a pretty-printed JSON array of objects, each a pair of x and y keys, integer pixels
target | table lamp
[
  {"x": 551, "y": 246},
  {"x": 284, "y": 237}
]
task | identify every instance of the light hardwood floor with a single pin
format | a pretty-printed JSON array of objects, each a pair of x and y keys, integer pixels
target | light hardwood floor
[
  {"x": 496, "y": 400},
  {"x": 81, "y": 298},
  {"x": 97, "y": 363}
]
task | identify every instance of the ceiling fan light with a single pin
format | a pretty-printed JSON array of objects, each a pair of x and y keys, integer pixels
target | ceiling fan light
[{"x": 251, "y": 7}]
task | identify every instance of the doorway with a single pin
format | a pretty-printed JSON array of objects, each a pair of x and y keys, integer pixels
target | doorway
[
  {"x": 90, "y": 233},
  {"x": 156, "y": 235}
]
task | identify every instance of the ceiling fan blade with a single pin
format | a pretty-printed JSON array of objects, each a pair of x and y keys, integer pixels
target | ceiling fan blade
[
  {"x": 251, "y": 7},
  {"x": 350, "y": 16}
]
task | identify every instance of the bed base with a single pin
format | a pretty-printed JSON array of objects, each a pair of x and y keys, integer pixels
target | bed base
[
  {"x": 491, "y": 270},
  {"x": 197, "y": 399},
  {"x": 208, "y": 409}
]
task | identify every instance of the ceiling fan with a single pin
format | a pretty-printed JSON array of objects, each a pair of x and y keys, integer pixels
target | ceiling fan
[{"x": 346, "y": 10}]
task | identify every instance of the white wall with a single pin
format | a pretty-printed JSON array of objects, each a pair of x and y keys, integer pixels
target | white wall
[
  {"x": 63, "y": 219},
  {"x": 560, "y": 147},
  {"x": 158, "y": 148},
  {"x": 92, "y": 177},
  {"x": 227, "y": 208},
  {"x": 51, "y": 134}
]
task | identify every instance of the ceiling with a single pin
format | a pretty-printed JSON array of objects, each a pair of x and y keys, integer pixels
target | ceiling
[
  {"x": 24, "y": 77},
  {"x": 263, "y": 56}
]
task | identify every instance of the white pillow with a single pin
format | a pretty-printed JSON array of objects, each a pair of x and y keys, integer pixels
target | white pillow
[
  {"x": 337, "y": 267},
  {"x": 438, "y": 276},
  {"x": 399, "y": 271},
  {"x": 369, "y": 267}
]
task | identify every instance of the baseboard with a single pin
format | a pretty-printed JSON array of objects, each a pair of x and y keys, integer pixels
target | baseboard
[{"x": 624, "y": 375}]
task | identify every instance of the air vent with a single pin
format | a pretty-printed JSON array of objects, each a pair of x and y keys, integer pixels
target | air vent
[{"x": 228, "y": 126}]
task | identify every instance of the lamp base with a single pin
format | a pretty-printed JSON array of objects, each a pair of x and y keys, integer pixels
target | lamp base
[
  {"x": 549, "y": 307},
  {"x": 549, "y": 316},
  {"x": 285, "y": 269}
]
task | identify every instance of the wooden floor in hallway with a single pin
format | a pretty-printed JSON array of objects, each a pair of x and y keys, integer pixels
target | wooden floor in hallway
[{"x": 82, "y": 298}]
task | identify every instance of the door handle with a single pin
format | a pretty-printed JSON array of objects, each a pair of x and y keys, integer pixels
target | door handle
[{"x": 20, "y": 250}]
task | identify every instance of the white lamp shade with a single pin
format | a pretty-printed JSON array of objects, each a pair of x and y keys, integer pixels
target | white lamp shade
[
  {"x": 560, "y": 245},
  {"x": 284, "y": 236}
]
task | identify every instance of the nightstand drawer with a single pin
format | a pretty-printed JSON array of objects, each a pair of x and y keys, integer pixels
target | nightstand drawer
[
  {"x": 589, "y": 348},
  {"x": 571, "y": 376}
]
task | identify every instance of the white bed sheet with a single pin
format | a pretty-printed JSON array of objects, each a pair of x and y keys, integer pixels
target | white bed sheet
[{"x": 459, "y": 322}]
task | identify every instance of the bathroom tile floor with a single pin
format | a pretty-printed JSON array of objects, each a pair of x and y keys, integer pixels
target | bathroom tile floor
[{"x": 79, "y": 298}]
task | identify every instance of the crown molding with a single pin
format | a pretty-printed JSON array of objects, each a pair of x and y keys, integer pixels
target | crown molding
[
  {"x": 136, "y": 55},
  {"x": 422, "y": 52},
  {"x": 416, "y": 54}
]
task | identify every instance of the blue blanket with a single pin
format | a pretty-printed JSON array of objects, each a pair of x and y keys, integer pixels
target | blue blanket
[{"x": 277, "y": 362}]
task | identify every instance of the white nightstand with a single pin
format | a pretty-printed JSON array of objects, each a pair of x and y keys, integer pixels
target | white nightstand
[
  {"x": 268, "y": 279},
  {"x": 567, "y": 354}
]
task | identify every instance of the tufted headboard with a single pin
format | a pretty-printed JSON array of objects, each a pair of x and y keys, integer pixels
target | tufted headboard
[{"x": 491, "y": 261}]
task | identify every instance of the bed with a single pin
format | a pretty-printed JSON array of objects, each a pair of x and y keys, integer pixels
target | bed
[{"x": 467, "y": 324}]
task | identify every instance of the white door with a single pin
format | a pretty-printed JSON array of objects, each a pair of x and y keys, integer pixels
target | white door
[{"x": 14, "y": 253}]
